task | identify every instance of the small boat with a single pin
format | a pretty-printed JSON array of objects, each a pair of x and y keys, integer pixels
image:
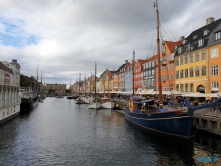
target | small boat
[
  {"x": 95, "y": 104},
  {"x": 79, "y": 100},
  {"x": 106, "y": 103}
]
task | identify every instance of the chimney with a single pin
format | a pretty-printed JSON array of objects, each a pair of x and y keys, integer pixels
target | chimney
[
  {"x": 209, "y": 20},
  {"x": 126, "y": 61},
  {"x": 182, "y": 38}
]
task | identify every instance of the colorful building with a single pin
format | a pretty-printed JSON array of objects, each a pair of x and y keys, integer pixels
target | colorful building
[{"x": 194, "y": 68}]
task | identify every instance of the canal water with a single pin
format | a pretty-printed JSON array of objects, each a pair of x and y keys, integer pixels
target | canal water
[{"x": 59, "y": 132}]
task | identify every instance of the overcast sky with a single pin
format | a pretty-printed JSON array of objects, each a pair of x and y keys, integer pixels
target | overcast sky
[{"x": 66, "y": 37}]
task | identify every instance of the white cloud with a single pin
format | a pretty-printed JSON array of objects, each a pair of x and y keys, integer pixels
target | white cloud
[{"x": 70, "y": 35}]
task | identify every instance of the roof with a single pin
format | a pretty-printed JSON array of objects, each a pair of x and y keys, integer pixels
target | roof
[
  {"x": 193, "y": 38},
  {"x": 171, "y": 45}
]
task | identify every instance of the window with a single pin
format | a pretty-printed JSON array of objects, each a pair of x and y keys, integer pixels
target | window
[
  {"x": 203, "y": 55},
  {"x": 181, "y": 87},
  {"x": 181, "y": 73},
  {"x": 215, "y": 70},
  {"x": 197, "y": 57},
  {"x": 203, "y": 70},
  {"x": 200, "y": 42},
  {"x": 186, "y": 87},
  {"x": 177, "y": 87},
  {"x": 215, "y": 85},
  {"x": 197, "y": 71},
  {"x": 177, "y": 62},
  {"x": 186, "y": 59},
  {"x": 186, "y": 73},
  {"x": 214, "y": 53},
  {"x": 191, "y": 72},
  {"x": 171, "y": 77},
  {"x": 179, "y": 50},
  {"x": 217, "y": 35},
  {"x": 153, "y": 82},
  {"x": 205, "y": 32},
  {"x": 191, "y": 58},
  {"x": 181, "y": 60},
  {"x": 195, "y": 36},
  {"x": 168, "y": 77},
  {"x": 177, "y": 74},
  {"x": 191, "y": 87}
]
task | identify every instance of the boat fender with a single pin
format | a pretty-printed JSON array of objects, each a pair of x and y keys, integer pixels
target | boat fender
[{"x": 117, "y": 105}]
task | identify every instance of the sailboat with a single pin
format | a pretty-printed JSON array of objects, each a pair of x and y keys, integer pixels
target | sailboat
[
  {"x": 106, "y": 101},
  {"x": 95, "y": 104},
  {"x": 79, "y": 99},
  {"x": 146, "y": 114},
  {"x": 86, "y": 98},
  {"x": 70, "y": 95}
]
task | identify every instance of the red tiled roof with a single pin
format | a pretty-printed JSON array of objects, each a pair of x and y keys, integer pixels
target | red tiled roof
[{"x": 171, "y": 45}]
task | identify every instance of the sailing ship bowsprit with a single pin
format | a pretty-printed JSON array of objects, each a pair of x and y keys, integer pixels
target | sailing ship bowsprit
[{"x": 144, "y": 113}]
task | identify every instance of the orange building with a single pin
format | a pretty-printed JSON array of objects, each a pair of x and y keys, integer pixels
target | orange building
[
  {"x": 138, "y": 74},
  {"x": 167, "y": 65}
]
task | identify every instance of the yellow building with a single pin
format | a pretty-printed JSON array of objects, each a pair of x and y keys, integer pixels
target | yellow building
[{"x": 192, "y": 60}]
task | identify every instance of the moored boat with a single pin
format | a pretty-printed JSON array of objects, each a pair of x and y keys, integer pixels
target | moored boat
[
  {"x": 106, "y": 103},
  {"x": 150, "y": 114},
  {"x": 29, "y": 99},
  {"x": 95, "y": 104}
]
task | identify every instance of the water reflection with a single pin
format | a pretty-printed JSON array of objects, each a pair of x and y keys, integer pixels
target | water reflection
[
  {"x": 169, "y": 150},
  {"x": 60, "y": 132}
]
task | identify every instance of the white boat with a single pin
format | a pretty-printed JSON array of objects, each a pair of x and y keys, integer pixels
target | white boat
[
  {"x": 94, "y": 106},
  {"x": 106, "y": 103},
  {"x": 79, "y": 100},
  {"x": 9, "y": 90},
  {"x": 86, "y": 99}
]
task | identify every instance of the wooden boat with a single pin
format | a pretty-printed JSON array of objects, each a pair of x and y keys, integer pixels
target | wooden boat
[
  {"x": 79, "y": 100},
  {"x": 95, "y": 104},
  {"x": 106, "y": 102},
  {"x": 146, "y": 114}
]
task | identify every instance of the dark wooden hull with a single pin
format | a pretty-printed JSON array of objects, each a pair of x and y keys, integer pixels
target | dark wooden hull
[
  {"x": 28, "y": 104},
  {"x": 172, "y": 123}
]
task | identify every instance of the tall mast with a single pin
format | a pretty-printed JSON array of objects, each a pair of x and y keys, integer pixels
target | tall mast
[
  {"x": 95, "y": 80},
  {"x": 158, "y": 55},
  {"x": 85, "y": 85},
  {"x": 108, "y": 87},
  {"x": 79, "y": 83},
  {"x": 70, "y": 87},
  {"x": 133, "y": 71}
]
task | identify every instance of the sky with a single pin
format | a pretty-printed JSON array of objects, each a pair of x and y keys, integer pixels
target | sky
[{"x": 63, "y": 38}]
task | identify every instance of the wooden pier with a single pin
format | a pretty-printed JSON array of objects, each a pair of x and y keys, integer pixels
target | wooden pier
[{"x": 207, "y": 120}]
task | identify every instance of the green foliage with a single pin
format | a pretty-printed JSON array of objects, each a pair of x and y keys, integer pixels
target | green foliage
[{"x": 23, "y": 82}]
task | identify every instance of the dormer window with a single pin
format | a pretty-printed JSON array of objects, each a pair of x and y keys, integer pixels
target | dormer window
[
  {"x": 184, "y": 41},
  {"x": 200, "y": 42},
  {"x": 179, "y": 50},
  {"x": 217, "y": 35},
  {"x": 205, "y": 32},
  {"x": 195, "y": 36}
]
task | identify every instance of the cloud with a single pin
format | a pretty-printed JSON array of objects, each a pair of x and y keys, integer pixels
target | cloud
[{"x": 65, "y": 37}]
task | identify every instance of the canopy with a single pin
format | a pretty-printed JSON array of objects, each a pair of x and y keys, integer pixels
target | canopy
[{"x": 143, "y": 101}]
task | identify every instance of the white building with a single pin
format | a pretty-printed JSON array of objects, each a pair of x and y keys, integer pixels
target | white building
[{"x": 9, "y": 90}]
